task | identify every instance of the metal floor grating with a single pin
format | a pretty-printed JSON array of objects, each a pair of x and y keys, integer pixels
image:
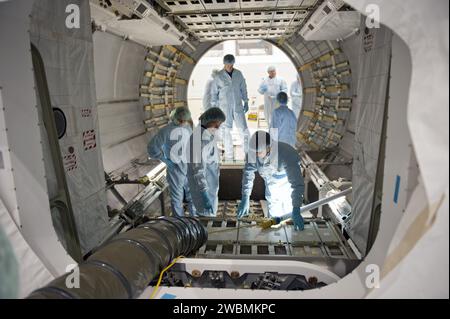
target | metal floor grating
[
  {"x": 229, "y": 238},
  {"x": 227, "y": 209}
]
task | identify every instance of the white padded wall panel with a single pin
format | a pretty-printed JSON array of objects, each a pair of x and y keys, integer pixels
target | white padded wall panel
[
  {"x": 129, "y": 70},
  {"x": 106, "y": 51},
  {"x": 118, "y": 67},
  {"x": 119, "y": 122},
  {"x": 118, "y": 70}
]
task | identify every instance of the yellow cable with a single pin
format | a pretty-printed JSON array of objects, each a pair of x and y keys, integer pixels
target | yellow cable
[{"x": 161, "y": 275}]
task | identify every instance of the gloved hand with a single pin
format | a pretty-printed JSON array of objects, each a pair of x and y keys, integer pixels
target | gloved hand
[
  {"x": 243, "y": 208},
  {"x": 207, "y": 203},
  {"x": 269, "y": 222},
  {"x": 245, "y": 106},
  {"x": 297, "y": 219},
  {"x": 264, "y": 87}
]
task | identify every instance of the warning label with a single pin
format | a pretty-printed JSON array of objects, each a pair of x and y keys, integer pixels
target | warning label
[
  {"x": 368, "y": 39},
  {"x": 89, "y": 140},
  {"x": 70, "y": 160},
  {"x": 85, "y": 112}
]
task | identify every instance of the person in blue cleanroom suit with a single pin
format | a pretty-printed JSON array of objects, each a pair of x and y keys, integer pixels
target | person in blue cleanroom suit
[
  {"x": 203, "y": 162},
  {"x": 163, "y": 146},
  {"x": 284, "y": 120},
  {"x": 208, "y": 90},
  {"x": 296, "y": 96},
  {"x": 229, "y": 93},
  {"x": 279, "y": 165},
  {"x": 270, "y": 87}
]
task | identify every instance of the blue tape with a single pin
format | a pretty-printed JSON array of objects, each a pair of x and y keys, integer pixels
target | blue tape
[
  {"x": 168, "y": 296},
  {"x": 397, "y": 188}
]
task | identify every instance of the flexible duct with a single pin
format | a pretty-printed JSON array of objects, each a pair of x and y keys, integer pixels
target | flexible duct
[{"x": 124, "y": 266}]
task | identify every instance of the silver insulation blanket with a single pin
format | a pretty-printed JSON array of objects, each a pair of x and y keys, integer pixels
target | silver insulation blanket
[
  {"x": 375, "y": 50},
  {"x": 69, "y": 65}
]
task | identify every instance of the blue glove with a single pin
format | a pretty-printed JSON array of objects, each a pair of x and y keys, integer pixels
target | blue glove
[
  {"x": 245, "y": 106},
  {"x": 244, "y": 207},
  {"x": 263, "y": 87},
  {"x": 207, "y": 203},
  {"x": 297, "y": 219}
]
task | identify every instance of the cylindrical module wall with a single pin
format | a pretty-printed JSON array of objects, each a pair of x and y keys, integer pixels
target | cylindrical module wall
[{"x": 323, "y": 68}]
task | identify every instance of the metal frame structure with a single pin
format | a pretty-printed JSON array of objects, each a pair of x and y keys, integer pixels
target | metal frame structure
[
  {"x": 217, "y": 20},
  {"x": 341, "y": 211},
  {"x": 160, "y": 83}
]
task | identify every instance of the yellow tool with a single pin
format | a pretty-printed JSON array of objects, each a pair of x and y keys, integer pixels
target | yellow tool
[
  {"x": 266, "y": 223},
  {"x": 144, "y": 180}
]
